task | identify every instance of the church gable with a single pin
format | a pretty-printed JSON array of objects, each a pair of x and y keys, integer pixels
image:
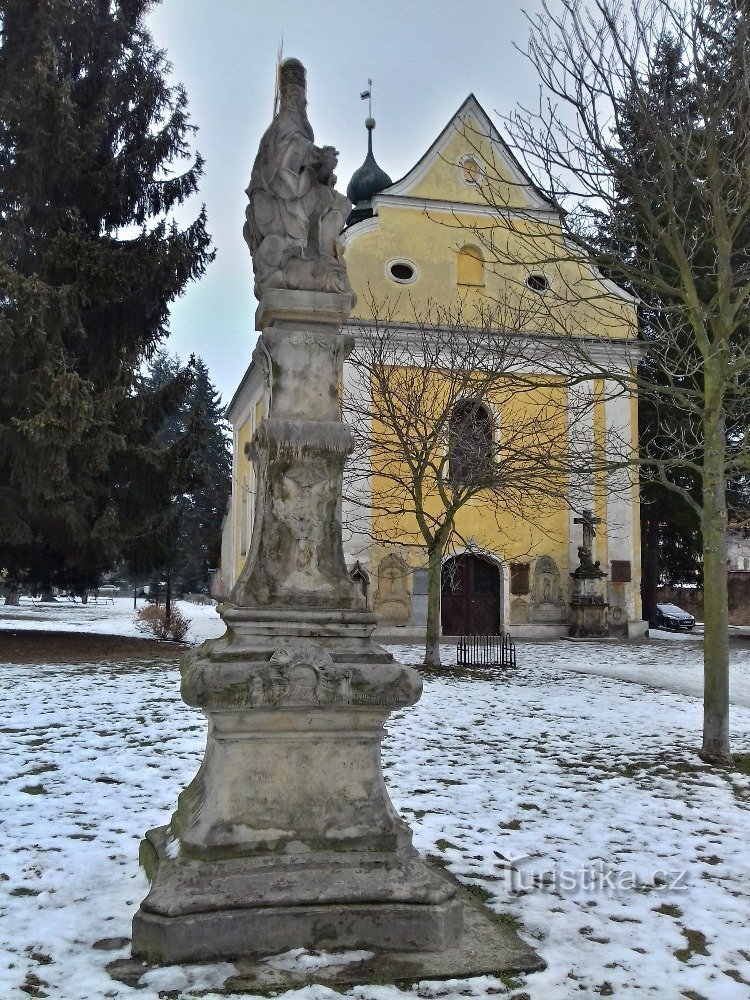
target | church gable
[{"x": 468, "y": 161}]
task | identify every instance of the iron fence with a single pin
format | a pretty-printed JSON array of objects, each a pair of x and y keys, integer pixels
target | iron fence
[{"x": 486, "y": 651}]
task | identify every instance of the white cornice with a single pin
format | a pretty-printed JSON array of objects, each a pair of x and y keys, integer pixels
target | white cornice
[
  {"x": 388, "y": 200},
  {"x": 607, "y": 356},
  {"x": 350, "y": 234},
  {"x": 241, "y": 406}
]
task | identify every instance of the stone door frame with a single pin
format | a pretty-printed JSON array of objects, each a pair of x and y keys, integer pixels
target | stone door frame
[{"x": 497, "y": 562}]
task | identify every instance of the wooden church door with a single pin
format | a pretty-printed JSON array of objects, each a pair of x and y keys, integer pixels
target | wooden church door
[{"x": 470, "y": 596}]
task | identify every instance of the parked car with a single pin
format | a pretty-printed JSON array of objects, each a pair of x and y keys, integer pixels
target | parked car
[{"x": 673, "y": 619}]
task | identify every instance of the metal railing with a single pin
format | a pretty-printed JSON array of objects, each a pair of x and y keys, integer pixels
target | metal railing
[{"x": 486, "y": 651}]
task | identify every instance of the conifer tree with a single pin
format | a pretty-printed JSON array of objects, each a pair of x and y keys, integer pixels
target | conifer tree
[
  {"x": 94, "y": 154},
  {"x": 185, "y": 539},
  {"x": 670, "y": 524}
]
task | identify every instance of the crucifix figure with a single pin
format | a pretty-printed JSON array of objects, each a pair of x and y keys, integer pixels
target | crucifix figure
[{"x": 588, "y": 521}]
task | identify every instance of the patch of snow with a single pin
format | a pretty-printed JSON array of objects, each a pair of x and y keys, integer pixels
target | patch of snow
[
  {"x": 189, "y": 980},
  {"x": 301, "y": 960},
  {"x": 172, "y": 848},
  {"x": 575, "y": 800},
  {"x": 117, "y": 618},
  {"x": 659, "y": 633}
]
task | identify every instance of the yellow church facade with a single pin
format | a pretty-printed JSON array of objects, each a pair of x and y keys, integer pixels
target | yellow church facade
[{"x": 465, "y": 233}]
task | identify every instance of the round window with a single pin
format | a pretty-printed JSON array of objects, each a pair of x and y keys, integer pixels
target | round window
[
  {"x": 537, "y": 282},
  {"x": 401, "y": 270},
  {"x": 470, "y": 170}
]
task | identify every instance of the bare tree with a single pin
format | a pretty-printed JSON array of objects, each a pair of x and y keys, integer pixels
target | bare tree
[
  {"x": 448, "y": 413},
  {"x": 658, "y": 194}
]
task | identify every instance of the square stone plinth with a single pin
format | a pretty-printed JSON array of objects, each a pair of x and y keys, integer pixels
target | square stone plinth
[
  {"x": 199, "y": 910},
  {"x": 486, "y": 947},
  {"x": 482, "y": 944}
]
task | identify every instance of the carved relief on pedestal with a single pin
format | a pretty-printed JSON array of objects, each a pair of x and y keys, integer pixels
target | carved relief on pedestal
[
  {"x": 302, "y": 512},
  {"x": 392, "y": 597},
  {"x": 299, "y": 674},
  {"x": 547, "y": 598}
]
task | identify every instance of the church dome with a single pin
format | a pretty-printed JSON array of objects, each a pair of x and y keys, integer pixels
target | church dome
[{"x": 366, "y": 182}]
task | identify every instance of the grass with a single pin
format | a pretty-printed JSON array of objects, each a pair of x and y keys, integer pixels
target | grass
[{"x": 741, "y": 763}]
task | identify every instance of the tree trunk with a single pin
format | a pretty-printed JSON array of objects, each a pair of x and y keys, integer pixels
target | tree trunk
[
  {"x": 432, "y": 634},
  {"x": 13, "y": 596},
  {"x": 715, "y": 748},
  {"x": 84, "y": 597},
  {"x": 48, "y": 596},
  {"x": 650, "y": 566},
  {"x": 168, "y": 599}
]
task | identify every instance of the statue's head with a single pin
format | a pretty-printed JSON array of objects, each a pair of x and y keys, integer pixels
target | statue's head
[{"x": 292, "y": 83}]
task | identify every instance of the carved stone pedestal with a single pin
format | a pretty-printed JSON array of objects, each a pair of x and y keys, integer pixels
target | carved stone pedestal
[
  {"x": 588, "y": 608},
  {"x": 286, "y": 837}
]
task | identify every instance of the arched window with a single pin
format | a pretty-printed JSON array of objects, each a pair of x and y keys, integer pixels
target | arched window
[
  {"x": 470, "y": 266},
  {"x": 470, "y": 444}
]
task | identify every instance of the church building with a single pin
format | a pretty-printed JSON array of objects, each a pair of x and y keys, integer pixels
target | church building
[{"x": 464, "y": 230}]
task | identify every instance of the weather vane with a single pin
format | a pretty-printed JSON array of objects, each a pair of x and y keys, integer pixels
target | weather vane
[{"x": 366, "y": 95}]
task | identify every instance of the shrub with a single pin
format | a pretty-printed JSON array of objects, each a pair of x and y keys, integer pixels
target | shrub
[{"x": 153, "y": 620}]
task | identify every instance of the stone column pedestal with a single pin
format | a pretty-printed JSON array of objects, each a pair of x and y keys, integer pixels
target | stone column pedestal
[
  {"x": 588, "y": 607},
  {"x": 286, "y": 837}
]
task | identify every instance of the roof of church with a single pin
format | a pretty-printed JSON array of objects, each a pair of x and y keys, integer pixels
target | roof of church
[
  {"x": 482, "y": 128},
  {"x": 366, "y": 181}
]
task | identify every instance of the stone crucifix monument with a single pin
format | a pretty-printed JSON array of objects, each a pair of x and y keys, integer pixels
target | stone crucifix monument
[
  {"x": 588, "y": 607},
  {"x": 286, "y": 836}
]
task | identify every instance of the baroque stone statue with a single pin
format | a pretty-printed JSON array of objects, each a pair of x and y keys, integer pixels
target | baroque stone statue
[{"x": 295, "y": 215}]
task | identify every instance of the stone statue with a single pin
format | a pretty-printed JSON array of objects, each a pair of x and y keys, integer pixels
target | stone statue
[
  {"x": 587, "y": 566},
  {"x": 295, "y": 215}
]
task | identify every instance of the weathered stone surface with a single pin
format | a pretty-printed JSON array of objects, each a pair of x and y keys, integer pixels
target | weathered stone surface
[
  {"x": 296, "y": 558},
  {"x": 588, "y": 606},
  {"x": 485, "y": 945},
  {"x": 392, "y": 596},
  {"x": 206, "y": 909},
  {"x": 547, "y": 598}
]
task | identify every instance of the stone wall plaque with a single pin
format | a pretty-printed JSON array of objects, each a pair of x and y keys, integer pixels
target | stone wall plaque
[
  {"x": 547, "y": 598},
  {"x": 519, "y": 612},
  {"x": 392, "y": 597}
]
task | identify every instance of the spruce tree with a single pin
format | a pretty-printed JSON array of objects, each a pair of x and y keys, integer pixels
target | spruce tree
[
  {"x": 185, "y": 539},
  {"x": 671, "y": 491},
  {"x": 670, "y": 525},
  {"x": 94, "y": 155}
]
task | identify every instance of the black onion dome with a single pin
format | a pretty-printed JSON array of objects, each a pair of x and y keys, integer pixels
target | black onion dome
[{"x": 366, "y": 182}]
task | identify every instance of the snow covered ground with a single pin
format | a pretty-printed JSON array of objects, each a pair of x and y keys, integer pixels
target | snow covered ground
[
  {"x": 117, "y": 618},
  {"x": 574, "y": 800}
]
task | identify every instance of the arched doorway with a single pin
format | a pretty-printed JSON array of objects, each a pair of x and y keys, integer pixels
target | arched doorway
[{"x": 470, "y": 596}]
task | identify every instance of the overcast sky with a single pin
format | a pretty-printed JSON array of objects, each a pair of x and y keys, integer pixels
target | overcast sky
[{"x": 424, "y": 58}]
